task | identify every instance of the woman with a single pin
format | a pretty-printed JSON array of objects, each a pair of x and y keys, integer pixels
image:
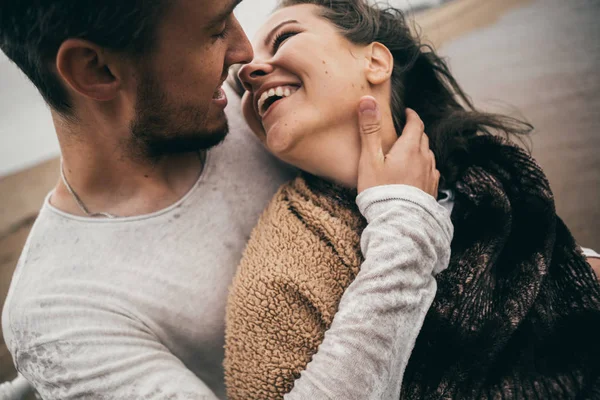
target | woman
[{"x": 514, "y": 313}]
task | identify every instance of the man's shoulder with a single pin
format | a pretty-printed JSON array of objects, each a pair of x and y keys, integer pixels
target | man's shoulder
[
  {"x": 39, "y": 291},
  {"x": 34, "y": 241},
  {"x": 22, "y": 306},
  {"x": 25, "y": 291}
]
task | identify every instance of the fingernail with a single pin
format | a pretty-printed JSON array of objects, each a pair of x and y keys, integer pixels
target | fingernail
[{"x": 368, "y": 104}]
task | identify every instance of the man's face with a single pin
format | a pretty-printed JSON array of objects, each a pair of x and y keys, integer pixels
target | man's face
[{"x": 180, "y": 103}]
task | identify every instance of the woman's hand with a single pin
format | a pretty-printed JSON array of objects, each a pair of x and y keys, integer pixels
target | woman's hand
[{"x": 409, "y": 162}]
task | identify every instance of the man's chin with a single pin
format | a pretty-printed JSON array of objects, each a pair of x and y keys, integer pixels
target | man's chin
[{"x": 184, "y": 142}]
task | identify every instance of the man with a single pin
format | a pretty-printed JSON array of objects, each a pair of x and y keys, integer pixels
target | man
[{"x": 121, "y": 288}]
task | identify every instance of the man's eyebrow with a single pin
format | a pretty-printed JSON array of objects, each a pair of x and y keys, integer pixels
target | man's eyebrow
[
  {"x": 270, "y": 35},
  {"x": 223, "y": 15}
]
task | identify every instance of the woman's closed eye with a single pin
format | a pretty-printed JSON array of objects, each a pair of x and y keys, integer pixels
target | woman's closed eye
[{"x": 281, "y": 38}]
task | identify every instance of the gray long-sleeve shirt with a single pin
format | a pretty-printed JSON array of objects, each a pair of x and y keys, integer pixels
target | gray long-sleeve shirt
[{"x": 134, "y": 308}]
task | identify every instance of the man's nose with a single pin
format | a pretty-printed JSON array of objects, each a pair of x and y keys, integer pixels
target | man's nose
[{"x": 242, "y": 52}]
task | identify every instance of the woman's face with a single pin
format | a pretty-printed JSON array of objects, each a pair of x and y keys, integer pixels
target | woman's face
[{"x": 304, "y": 86}]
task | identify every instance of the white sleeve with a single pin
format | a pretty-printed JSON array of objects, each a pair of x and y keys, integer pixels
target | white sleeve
[
  {"x": 365, "y": 352},
  {"x": 589, "y": 253}
]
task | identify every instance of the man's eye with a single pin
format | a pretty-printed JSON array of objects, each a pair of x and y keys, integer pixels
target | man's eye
[
  {"x": 223, "y": 33},
  {"x": 282, "y": 37}
]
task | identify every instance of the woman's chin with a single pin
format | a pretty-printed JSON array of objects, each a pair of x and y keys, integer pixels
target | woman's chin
[{"x": 279, "y": 141}]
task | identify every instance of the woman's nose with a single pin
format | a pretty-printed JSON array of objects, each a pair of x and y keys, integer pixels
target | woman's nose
[{"x": 250, "y": 74}]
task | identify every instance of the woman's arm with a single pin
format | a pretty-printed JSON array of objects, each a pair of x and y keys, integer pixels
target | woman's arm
[
  {"x": 280, "y": 301},
  {"x": 365, "y": 352}
]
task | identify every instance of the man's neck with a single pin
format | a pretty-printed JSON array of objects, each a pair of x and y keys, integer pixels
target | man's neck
[{"x": 109, "y": 180}]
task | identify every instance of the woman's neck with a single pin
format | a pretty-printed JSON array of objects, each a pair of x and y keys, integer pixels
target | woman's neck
[{"x": 334, "y": 154}]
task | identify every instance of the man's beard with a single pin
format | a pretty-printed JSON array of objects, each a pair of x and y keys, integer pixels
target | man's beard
[{"x": 162, "y": 127}]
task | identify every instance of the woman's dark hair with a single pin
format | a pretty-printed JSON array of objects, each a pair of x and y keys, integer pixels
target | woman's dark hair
[
  {"x": 32, "y": 31},
  {"x": 421, "y": 80}
]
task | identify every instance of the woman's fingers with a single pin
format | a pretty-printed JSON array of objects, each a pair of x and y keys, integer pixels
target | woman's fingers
[
  {"x": 414, "y": 129},
  {"x": 412, "y": 134},
  {"x": 371, "y": 155},
  {"x": 409, "y": 162},
  {"x": 436, "y": 185},
  {"x": 369, "y": 119},
  {"x": 425, "y": 143}
]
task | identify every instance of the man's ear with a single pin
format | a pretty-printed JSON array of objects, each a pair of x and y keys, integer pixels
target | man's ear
[
  {"x": 379, "y": 63},
  {"x": 86, "y": 69}
]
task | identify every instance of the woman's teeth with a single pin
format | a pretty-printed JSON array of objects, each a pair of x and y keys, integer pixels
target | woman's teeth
[{"x": 271, "y": 96}]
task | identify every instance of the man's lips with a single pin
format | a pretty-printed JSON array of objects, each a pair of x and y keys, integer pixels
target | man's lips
[{"x": 219, "y": 96}]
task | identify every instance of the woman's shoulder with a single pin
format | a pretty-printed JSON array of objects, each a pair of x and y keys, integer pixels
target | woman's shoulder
[
  {"x": 298, "y": 245},
  {"x": 278, "y": 240}
]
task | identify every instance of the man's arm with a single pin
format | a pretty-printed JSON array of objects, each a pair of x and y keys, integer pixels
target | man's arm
[{"x": 92, "y": 353}]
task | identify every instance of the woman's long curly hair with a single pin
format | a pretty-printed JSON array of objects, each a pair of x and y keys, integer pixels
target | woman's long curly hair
[{"x": 420, "y": 80}]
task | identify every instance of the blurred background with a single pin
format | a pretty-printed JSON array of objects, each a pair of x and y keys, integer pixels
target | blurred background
[{"x": 534, "y": 59}]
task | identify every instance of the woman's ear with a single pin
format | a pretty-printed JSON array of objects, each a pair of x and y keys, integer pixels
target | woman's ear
[
  {"x": 87, "y": 70},
  {"x": 379, "y": 63}
]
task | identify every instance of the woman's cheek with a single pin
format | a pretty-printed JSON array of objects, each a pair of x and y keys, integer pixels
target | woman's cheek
[
  {"x": 251, "y": 118},
  {"x": 286, "y": 138},
  {"x": 279, "y": 142}
]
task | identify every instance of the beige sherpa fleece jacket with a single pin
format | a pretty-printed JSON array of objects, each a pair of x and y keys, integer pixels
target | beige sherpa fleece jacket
[{"x": 301, "y": 257}]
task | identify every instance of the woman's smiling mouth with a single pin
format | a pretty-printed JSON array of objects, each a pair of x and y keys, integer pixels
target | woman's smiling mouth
[{"x": 272, "y": 96}]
